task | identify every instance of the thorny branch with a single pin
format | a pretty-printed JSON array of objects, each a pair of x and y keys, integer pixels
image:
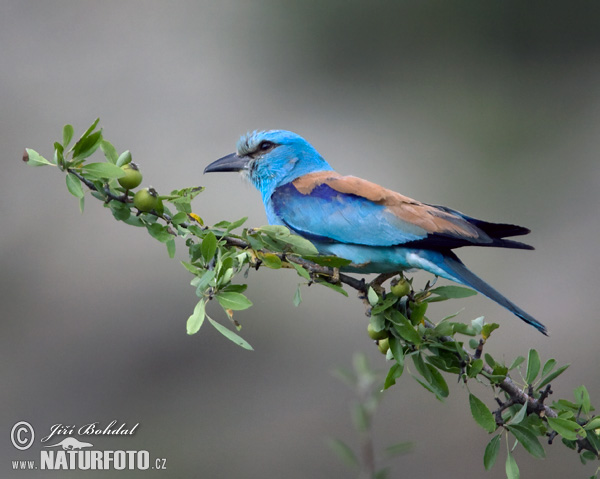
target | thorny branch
[{"x": 515, "y": 394}]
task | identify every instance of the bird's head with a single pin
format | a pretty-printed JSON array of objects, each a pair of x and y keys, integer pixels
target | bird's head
[{"x": 271, "y": 158}]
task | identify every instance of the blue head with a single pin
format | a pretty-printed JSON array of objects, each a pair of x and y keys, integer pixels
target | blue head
[{"x": 269, "y": 159}]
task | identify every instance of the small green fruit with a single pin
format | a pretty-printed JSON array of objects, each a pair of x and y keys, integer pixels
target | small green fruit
[
  {"x": 383, "y": 345},
  {"x": 376, "y": 334},
  {"x": 146, "y": 199},
  {"x": 400, "y": 288},
  {"x": 132, "y": 178}
]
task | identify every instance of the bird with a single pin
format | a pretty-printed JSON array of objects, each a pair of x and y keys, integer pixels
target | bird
[{"x": 377, "y": 229}]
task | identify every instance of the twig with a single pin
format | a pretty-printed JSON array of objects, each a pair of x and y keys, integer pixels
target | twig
[{"x": 92, "y": 186}]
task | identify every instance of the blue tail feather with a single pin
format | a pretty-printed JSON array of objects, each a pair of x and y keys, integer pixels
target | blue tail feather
[{"x": 453, "y": 266}]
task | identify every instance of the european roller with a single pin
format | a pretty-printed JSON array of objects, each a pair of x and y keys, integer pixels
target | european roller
[{"x": 379, "y": 230}]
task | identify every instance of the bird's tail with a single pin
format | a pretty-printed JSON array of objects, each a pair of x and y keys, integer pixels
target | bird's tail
[{"x": 455, "y": 268}]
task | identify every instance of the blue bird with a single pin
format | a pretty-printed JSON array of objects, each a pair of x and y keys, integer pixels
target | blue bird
[{"x": 379, "y": 230}]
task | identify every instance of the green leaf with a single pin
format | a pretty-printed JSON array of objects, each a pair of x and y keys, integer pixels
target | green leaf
[
  {"x": 67, "y": 135},
  {"x": 275, "y": 231},
  {"x": 209, "y": 246},
  {"x": 487, "y": 329},
  {"x": 445, "y": 362},
  {"x": 236, "y": 224},
  {"x": 120, "y": 211},
  {"x": 372, "y": 296},
  {"x": 394, "y": 373},
  {"x": 134, "y": 221},
  {"x": 35, "y": 159},
  {"x": 343, "y": 451},
  {"x": 300, "y": 245},
  {"x": 203, "y": 281},
  {"x": 109, "y": 151},
  {"x": 477, "y": 325},
  {"x": 197, "y": 318},
  {"x": 462, "y": 328},
  {"x": 582, "y": 398},
  {"x": 517, "y": 418},
  {"x": 552, "y": 376},
  {"x": 516, "y": 363},
  {"x": 528, "y": 440},
  {"x": 236, "y": 338},
  {"x": 236, "y": 288},
  {"x": 565, "y": 406},
  {"x": 301, "y": 270},
  {"x": 417, "y": 312},
  {"x": 449, "y": 292},
  {"x": 297, "y": 296},
  {"x": 420, "y": 366},
  {"x": 224, "y": 270},
  {"x": 123, "y": 158},
  {"x": 377, "y": 321},
  {"x": 159, "y": 232},
  {"x": 231, "y": 300},
  {"x": 74, "y": 186},
  {"x": 179, "y": 218},
  {"x": 59, "y": 157},
  {"x": 86, "y": 146},
  {"x": 444, "y": 328},
  {"x": 566, "y": 428},
  {"x": 482, "y": 414},
  {"x": 398, "y": 449},
  {"x": 491, "y": 452},
  {"x": 593, "y": 424},
  {"x": 171, "y": 248},
  {"x": 361, "y": 417},
  {"x": 385, "y": 304},
  {"x": 475, "y": 368},
  {"x": 429, "y": 388},
  {"x": 191, "y": 268},
  {"x": 335, "y": 287},
  {"x": 438, "y": 382},
  {"x": 329, "y": 261},
  {"x": 533, "y": 366},
  {"x": 593, "y": 439},
  {"x": 270, "y": 260},
  {"x": 102, "y": 170},
  {"x": 397, "y": 350},
  {"x": 90, "y": 129},
  {"x": 512, "y": 470},
  {"x": 586, "y": 456},
  {"x": 404, "y": 327},
  {"x": 549, "y": 366}
]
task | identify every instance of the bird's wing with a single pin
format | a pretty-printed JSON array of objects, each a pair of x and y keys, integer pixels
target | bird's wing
[{"x": 327, "y": 206}]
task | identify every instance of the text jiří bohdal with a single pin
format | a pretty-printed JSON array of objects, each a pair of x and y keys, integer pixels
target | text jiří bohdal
[{"x": 91, "y": 429}]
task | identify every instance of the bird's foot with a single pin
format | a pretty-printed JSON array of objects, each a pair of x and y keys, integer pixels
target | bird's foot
[{"x": 335, "y": 277}]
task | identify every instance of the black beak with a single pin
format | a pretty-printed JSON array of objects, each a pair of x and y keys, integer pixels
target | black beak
[{"x": 231, "y": 162}]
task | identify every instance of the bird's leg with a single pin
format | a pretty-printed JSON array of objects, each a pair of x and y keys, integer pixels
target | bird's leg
[{"x": 335, "y": 277}]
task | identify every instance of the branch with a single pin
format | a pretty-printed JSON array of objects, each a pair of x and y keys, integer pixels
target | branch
[{"x": 397, "y": 321}]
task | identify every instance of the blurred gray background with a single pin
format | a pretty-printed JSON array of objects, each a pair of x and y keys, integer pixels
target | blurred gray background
[{"x": 491, "y": 108}]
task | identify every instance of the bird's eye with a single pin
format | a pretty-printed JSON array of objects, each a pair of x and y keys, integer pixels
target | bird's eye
[{"x": 265, "y": 145}]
